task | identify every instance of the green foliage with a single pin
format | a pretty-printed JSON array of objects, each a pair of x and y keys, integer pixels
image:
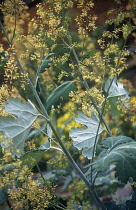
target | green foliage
[
  {"x": 45, "y": 63},
  {"x": 28, "y": 131},
  {"x": 86, "y": 139},
  {"x": 116, "y": 95},
  {"x": 113, "y": 88},
  {"x": 121, "y": 151},
  {"x": 113, "y": 103},
  {"x": 60, "y": 93},
  {"x": 33, "y": 157},
  {"x": 112, "y": 142},
  {"x": 17, "y": 129}
]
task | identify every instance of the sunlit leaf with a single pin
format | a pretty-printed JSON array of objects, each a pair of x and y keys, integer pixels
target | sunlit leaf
[
  {"x": 116, "y": 96},
  {"x": 114, "y": 88},
  {"x": 16, "y": 129},
  {"x": 84, "y": 138}
]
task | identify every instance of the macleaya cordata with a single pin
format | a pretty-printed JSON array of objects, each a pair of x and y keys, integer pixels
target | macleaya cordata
[{"x": 63, "y": 101}]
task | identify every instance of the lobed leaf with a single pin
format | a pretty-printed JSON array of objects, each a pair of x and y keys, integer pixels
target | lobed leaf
[
  {"x": 122, "y": 152},
  {"x": 85, "y": 138},
  {"x": 15, "y": 130},
  {"x": 116, "y": 94},
  {"x": 114, "y": 88}
]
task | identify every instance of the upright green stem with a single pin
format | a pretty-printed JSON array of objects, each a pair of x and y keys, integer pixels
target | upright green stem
[{"x": 44, "y": 112}]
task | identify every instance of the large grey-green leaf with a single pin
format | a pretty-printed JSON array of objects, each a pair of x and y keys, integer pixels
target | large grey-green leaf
[
  {"x": 17, "y": 107},
  {"x": 15, "y": 130},
  {"x": 114, "y": 88},
  {"x": 31, "y": 158},
  {"x": 124, "y": 156},
  {"x": 85, "y": 138},
  {"x": 60, "y": 92}
]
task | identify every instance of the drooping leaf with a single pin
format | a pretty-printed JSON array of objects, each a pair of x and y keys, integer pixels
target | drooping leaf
[
  {"x": 90, "y": 53},
  {"x": 114, "y": 88},
  {"x": 16, "y": 129},
  {"x": 31, "y": 158},
  {"x": 124, "y": 156},
  {"x": 60, "y": 92},
  {"x": 45, "y": 63},
  {"x": 85, "y": 138}
]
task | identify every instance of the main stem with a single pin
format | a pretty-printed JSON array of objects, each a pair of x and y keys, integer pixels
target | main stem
[
  {"x": 66, "y": 152},
  {"x": 44, "y": 112}
]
